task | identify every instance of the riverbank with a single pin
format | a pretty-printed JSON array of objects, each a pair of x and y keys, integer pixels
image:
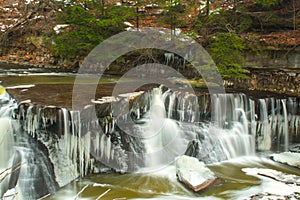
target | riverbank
[{"x": 262, "y": 81}]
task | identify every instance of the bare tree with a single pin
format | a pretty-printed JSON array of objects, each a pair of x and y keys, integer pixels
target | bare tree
[{"x": 19, "y": 17}]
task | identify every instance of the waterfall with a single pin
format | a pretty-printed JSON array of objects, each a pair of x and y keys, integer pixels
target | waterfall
[{"x": 55, "y": 145}]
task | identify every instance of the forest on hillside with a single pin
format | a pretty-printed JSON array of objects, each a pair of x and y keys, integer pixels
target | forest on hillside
[{"x": 62, "y": 33}]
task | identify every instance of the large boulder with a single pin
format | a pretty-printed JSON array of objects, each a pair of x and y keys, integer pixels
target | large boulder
[{"x": 194, "y": 174}]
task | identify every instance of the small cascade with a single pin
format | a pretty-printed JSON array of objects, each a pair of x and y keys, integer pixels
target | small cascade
[
  {"x": 263, "y": 129},
  {"x": 232, "y": 119},
  {"x": 7, "y": 126},
  {"x": 7, "y": 105},
  {"x": 6, "y": 142},
  {"x": 162, "y": 137},
  {"x": 293, "y": 110},
  {"x": 27, "y": 172},
  {"x": 277, "y": 123},
  {"x": 36, "y": 178}
]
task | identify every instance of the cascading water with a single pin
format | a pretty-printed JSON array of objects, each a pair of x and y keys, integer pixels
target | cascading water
[
  {"x": 162, "y": 137},
  {"x": 293, "y": 116},
  {"x": 231, "y": 126},
  {"x": 277, "y": 123},
  {"x": 239, "y": 125},
  {"x": 264, "y": 129},
  {"x": 7, "y": 105},
  {"x": 173, "y": 119}
]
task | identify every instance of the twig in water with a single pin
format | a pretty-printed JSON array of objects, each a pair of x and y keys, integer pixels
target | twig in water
[
  {"x": 11, "y": 195},
  {"x": 81, "y": 191},
  {"x": 15, "y": 196},
  {"x": 104, "y": 193},
  {"x": 13, "y": 169},
  {"x": 44, "y": 197}
]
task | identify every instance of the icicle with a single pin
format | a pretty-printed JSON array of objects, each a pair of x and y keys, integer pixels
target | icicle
[
  {"x": 138, "y": 114},
  {"x": 102, "y": 146},
  {"x": 171, "y": 104},
  {"x": 74, "y": 141},
  {"x": 108, "y": 147},
  {"x": 97, "y": 144},
  {"x": 285, "y": 125},
  {"x": 87, "y": 153},
  {"x": 66, "y": 133},
  {"x": 112, "y": 153},
  {"x": 169, "y": 57}
]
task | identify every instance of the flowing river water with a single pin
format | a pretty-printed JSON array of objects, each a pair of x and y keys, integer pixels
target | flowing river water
[
  {"x": 48, "y": 88},
  {"x": 164, "y": 185}
]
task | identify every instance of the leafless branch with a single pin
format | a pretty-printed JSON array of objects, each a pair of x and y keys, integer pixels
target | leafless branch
[{"x": 6, "y": 172}]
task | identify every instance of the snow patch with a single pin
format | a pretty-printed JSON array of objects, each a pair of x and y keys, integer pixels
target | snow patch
[
  {"x": 289, "y": 158},
  {"x": 58, "y": 27},
  {"x": 129, "y": 24},
  {"x": 21, "y": 86},
  {"x": 268, "y": 185}
]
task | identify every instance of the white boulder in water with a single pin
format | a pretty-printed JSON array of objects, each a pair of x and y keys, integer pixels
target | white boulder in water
[
  {"x": 289, "y": 158},
  {"x": 194, "y": 173}
]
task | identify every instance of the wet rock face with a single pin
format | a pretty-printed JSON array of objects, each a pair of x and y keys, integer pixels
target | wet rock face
[
  {"x": 200, "y": 149},
  {"x": 273, "y": 59},
  {"x": 275, "y": 80}
]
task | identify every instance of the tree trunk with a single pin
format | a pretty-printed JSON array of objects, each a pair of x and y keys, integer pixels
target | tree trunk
[
  {"x": 294, "y": 15},
  {"x": 207, "y": 7},
  {"x": 137, "y": 18}
]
